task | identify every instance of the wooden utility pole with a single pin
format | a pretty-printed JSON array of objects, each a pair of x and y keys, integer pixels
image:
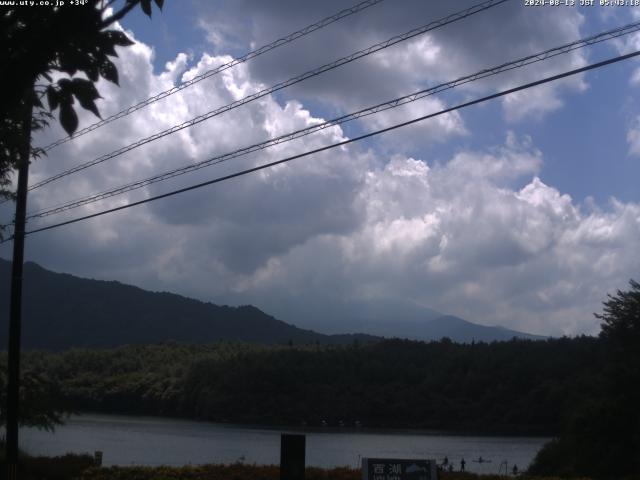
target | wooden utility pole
[{"x": 15, "y": 308}]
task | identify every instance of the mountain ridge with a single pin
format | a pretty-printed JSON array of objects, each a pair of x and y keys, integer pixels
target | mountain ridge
[{"x": 108, "y": 313}]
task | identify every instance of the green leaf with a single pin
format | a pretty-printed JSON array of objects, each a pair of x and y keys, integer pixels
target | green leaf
[
  {"x": 52, "y": 97},
  {"x": 68, "y": 118},
  {"x": 109, "y": 71},
  {"x": 64, "y": 89},
  {"x": 106, "y": 45},
  {"x": 65, "y": 93},
  {"x": 67, "y": 65},
  {"x": 93, "y": 72},
  {"x": 146, "y": 6},
  {"x": 86, "y": 93},
  {"x": 85, "y": 88},
  {"x": 118, "y": 38}
]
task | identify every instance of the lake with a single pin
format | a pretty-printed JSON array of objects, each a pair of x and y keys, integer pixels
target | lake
[{"x": 133, "y": 440}]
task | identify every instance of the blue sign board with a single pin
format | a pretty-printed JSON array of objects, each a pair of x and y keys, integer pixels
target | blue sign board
[{"x": 398, "y": 469}]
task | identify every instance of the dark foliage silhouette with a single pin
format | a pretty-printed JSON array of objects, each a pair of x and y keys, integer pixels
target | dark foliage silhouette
[
  {"x": 601, "y": 438},
  {"x": 72, "y": 45},
  {"x": 59, "y": 53}
]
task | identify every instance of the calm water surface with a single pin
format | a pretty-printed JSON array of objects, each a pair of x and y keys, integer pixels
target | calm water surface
[{"x": 128, "y": 440}]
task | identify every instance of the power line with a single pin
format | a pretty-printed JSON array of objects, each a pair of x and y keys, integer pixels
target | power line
[
  {"x": 253, "y": 54},
  {"x": 338, "y": 144},
  {"x": 528, "y": 60},
  {"x": 311, "y": 73}
]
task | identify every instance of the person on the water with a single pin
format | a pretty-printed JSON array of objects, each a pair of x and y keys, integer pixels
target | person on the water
[
  {"x": 482, "y": 460},
  {"x": 462, "y": 464}
]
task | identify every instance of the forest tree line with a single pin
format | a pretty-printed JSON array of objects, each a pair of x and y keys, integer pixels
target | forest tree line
[{"x": 516, "y": 387}]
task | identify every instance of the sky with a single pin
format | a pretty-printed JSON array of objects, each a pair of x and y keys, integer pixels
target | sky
[{"x": 522, "y": 212}]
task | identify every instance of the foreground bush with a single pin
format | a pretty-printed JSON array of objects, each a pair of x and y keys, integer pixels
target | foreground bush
[
  {"x": 213, "y": 472},
  {"x": 81, "y": 467},
  {"x": 66, "y": 467},
  {"x": 253, "y": 472}
]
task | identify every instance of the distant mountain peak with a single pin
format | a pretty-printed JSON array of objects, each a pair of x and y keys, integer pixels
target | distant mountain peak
[{"x": 464, "y": 331}]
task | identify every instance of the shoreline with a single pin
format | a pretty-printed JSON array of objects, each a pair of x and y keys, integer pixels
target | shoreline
[{"x": 333, "y": 429}]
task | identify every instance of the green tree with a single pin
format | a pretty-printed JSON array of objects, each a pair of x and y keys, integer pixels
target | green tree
[
  {"x": 42, "y": 404},
  {"x": 39, "y": 43},
  {"x": 620, "y": 330},
  {"x": 72, "y": 43},
  {"x": 601, "y": 437},
  {"x": 620, "y": 326}
]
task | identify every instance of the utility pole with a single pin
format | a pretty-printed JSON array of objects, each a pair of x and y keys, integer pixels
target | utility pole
[{"x": 15, "y": 308}]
